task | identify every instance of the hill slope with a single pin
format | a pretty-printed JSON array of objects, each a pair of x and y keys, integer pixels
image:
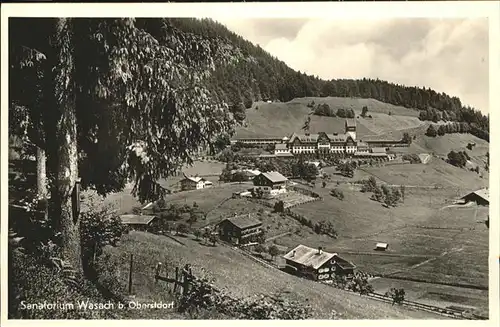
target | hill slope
[
  {"x": 243, "y": 277},
  {"x": 279, "y": 119}
]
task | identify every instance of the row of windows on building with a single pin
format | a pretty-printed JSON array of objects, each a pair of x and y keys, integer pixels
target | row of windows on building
[{"x": 332, "y": 149}]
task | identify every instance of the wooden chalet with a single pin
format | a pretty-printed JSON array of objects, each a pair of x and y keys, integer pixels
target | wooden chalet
[
  {"x": 317, "y": 264},
  {"x": 270, "y": 183},
  {"x": 139, "y": 222},
  {"x": 194, "y": 183},
  {"x": 240, "y": 229}
]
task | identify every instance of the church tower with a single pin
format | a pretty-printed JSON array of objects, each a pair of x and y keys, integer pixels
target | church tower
[{"x": 350, "y": 128}]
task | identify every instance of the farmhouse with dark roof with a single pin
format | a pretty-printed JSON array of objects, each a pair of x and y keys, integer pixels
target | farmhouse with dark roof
[
  {"x": 240, "y": 229},
  {"x": 317, "y": 264}
]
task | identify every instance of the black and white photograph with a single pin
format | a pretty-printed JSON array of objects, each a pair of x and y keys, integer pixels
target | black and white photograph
[{"x": 266, "y": 163}]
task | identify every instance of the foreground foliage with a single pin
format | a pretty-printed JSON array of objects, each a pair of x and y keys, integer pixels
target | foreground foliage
[{"x": 204, "y": 296}]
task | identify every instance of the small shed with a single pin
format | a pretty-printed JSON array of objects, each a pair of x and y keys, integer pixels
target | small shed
[
  {"x": 381, "y": 246},
  {"x": 481, "y": 197},
  {"x": 138, "y": 222}
]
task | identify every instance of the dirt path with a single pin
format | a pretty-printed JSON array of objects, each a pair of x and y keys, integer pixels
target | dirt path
[
  {"x": 453, "y": 250},
  {"x": 464, "y": 206}
]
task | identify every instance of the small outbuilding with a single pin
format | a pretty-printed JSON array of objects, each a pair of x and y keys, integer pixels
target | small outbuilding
[
  {"x": 138, "y": 222},
  {"x": 381, "y": 246},
  {"x": 481, "y": 197}
]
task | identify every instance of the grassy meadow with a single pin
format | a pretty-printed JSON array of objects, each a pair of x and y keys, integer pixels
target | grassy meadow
[{"x": 242, "y": 277}]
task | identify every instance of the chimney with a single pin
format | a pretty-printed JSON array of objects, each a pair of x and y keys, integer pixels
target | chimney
[
  {"x": 293, "y": 254},
  {"x": 320, "y": 250}
]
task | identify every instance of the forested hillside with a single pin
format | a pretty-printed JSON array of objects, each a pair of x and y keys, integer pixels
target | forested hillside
[{"x": 260, "y": 76}]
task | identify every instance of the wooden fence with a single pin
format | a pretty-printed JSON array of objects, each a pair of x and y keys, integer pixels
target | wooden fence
[
  {"x": 304, "y": 191},
  {"x": 303, "y": 202},
  {"x": 448, "y": 312},
  {"x": 181, "y": 281}
]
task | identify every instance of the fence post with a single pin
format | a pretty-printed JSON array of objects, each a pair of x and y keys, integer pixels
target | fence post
[
  {"x": 185, "y": 282},
  {"x": 130, "y": 274},
  {"x": 176, "y": 279}
]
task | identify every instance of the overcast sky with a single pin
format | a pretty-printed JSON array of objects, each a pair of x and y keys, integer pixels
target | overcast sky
[{"x": 447, "y": 55}]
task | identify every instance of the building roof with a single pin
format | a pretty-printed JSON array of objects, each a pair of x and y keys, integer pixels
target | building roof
[
  {"x": 243, "y": 221},
  {"x": 313, "y": 138},
  {"x": 307, "y": 256},
  {"x": 378, "y": 150},
  {"x": 384, "y": 141},
  {"x": 381, "y": 245},
  {"x": 253, "y": 172},
  {"x": 351, "y": 122},
  {"x": 280, "y": 146},
  {"x": 274, "y": 176},
  {"x": 337, "y": 137},
  {"x": 369, "y": 154},
  {"x": 344, "y": 264},
  {"x": 310, "y": 138},
  {"x": 362, "y": 144},
  {"x": 482, "y": 193},
  {"x": 195, "y": 179},
  {"x": 260, "y": 138},
  {"x": 315, "y": 163},
  {"x": 136, "y": 219}
]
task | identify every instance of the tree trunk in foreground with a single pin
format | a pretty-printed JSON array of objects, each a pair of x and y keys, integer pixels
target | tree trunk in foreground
[
  {"x": 41, "y": 180},
  {"x": 66, "y": 221}
]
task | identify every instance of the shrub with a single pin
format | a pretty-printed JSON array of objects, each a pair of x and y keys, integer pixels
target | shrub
[
  {"x": 406, "y": 138},
  {"x": 32, "y": 281},
  {"x": 273, "y": 251},
  {"x": 279, "y": 206},
  {"x": 99, "y": 226},
  {"x": 377, "y": 195},
  {"x": 326, "y": 228},
  {"x": 458, "y": 159},
  {"x": 337, "y": 193},
  {"x": 213, "y": 239},
  {"x": 431, "y": 131},
  {"x": 360, "y": 285},
  {"x": 364, "y": 111},
  {"x": 412, "y": 158},
  {"x": 369, "y": 185},
  {"x": 259, "y": 248},
  {"x": 204, "y": 297},
  {"x": 397, "y": 295},
  {"x": 182, "y": 229}
]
